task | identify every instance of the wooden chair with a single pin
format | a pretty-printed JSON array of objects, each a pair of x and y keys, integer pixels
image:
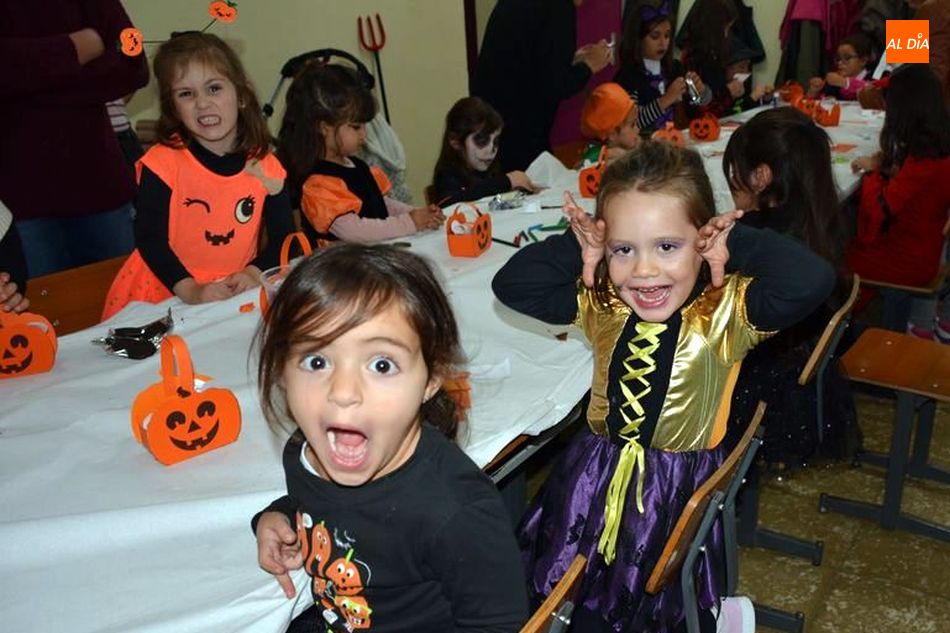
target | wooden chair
[
  {"x": 73, "y": 299},
  {"x": 896, "y": 299},
  {"x": 714, "y": 498},
  {"x": 919, "y": 372},
  {"x": 554, "y": 614},
  {"x": 824, "y": 351},
  {"x": 751, "y": 534}
]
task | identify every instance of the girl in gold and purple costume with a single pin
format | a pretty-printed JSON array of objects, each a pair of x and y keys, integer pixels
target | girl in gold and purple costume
[{"x": 646, "y": 281}]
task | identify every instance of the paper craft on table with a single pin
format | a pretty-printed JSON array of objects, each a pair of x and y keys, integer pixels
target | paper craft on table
[{"x": 843, "y": 148}]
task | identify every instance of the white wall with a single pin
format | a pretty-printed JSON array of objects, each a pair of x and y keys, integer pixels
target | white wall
[{"x": 423, "y": 60}]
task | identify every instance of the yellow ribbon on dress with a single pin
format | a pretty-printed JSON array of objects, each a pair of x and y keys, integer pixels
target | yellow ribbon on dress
[{"x": 632, "y": 456}]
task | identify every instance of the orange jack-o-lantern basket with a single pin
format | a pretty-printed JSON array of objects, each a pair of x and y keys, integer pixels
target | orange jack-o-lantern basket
[
  {"x": 273, "y": 277},
  {"x": 177, "y": 419},
  {"x": 27, "y": 344},
  {"x": 705, "y": 128},
  {"x": 468, "y": 238},
  {"x": 588, "y": 179},
  {"x": 669, "y": 134}
]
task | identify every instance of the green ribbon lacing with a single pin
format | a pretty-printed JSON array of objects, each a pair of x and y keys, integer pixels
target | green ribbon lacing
[{"x": 632, "y": 456}]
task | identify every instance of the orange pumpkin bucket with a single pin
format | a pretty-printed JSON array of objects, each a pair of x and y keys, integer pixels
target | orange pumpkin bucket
[
  {"x": 705, "y": 128},
  {"x": 176, "y": 419},
  {"x": 588, "y": 179},
  {"x": 273, "y": 277},
  {"x": 27, "y": 344},
  {"x": 670, "y": 134},
  {"x": 468, "y": 238}
]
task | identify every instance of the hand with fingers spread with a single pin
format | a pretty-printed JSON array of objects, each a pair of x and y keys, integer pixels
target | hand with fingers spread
[
  {"x": 711, "y": 243},
  {"x": 278, "y": 549},
  {"x": 590, "y": 233}
]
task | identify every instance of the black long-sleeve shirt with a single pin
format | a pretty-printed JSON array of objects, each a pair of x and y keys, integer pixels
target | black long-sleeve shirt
[
  {"x": 790, "y": 281},
  {"x": 151, "y": 219},
  {"x": 451, "y": 186},
  {"x": 431, "y": 543}
]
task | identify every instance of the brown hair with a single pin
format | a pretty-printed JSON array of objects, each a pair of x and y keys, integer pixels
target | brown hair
[
  {"x": 321, "y": 93},
  {"x": 171, "y": 60},
  {"x": 654, "y": 167},
  {"x": 344, "y": 286},
  {"x": 469, "y": 115}
]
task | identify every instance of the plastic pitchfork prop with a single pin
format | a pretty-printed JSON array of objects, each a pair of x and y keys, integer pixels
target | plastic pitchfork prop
[{"x": 374, "y": 43}]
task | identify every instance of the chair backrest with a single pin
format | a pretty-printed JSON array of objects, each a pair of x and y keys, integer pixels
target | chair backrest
[
  {"x": 72, "y": 299},
  {"x": 825, "y": 347},
  {"x": 674, "y": 551},
  {"x": 554, "y": 614}
]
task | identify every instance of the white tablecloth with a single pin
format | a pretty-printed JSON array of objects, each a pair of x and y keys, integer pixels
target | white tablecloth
[{"x": 96, "y": 536}]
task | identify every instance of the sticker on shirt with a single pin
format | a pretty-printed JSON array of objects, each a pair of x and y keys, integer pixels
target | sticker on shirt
[{"x": 338, "y": 576}]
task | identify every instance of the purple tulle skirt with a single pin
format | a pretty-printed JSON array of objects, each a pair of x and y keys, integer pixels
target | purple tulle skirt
[{"x": 568, "y": 517}]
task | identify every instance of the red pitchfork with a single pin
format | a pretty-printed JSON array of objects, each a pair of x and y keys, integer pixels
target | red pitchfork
[{"x": 375, "y": 43}]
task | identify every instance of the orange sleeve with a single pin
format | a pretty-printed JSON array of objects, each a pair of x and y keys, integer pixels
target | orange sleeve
[
  {"x": 324, "y": 199},
  {"x": 162, "y": 161},
  {"x": 382, "y": 180}
]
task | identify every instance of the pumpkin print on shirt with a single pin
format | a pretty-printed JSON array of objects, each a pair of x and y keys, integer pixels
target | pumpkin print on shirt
[{"x": 338, "y": 576}]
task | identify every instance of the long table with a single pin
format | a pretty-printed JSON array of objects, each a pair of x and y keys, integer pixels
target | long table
[{"x": 96, "y": 536}]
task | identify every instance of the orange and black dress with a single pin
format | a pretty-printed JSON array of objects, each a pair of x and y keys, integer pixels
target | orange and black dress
[
  {"x": 333, "y": 191},
  {"x": 199, "y": 215}
]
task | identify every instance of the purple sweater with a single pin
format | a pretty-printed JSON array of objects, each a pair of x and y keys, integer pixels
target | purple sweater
[{"x": 59, "y": 156}]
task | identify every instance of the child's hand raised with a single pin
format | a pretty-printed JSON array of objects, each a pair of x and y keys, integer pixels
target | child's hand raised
[
  {"x": 711, "y": 243},
  {"x": 591, "y": 234},
  {"x": 278, "y": 549},
  {"x": 425, "y": 218},
  {"x": 815, "y": 85}
]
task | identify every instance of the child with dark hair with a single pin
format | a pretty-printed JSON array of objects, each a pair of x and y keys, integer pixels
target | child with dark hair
[
  {"x": 778, "y": 166},
  {"x": 854, "y": 60},
  {"x": 645, "y": 279},
  {"x": 467, "y": 168},
  {"x": 706, "y": 51},
  {"x": 209, "y": 185},
  {"x": 905, "y": 192},
  {"x": 340, "y": 196},
  {"x": 655, "y": 80},
  {"x": 398, "y": 528}
]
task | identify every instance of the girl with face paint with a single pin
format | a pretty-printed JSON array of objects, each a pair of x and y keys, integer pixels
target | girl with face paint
[{"x": 467, "y": 168}]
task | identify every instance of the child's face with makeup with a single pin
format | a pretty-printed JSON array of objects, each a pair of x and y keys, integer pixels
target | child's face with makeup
[
  {"x": 480, "y": 149},
  {"x": 651, "y": 254},
  {"x": 656, "y": 42}
]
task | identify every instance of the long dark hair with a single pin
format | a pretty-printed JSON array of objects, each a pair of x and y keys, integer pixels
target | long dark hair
[
  {"x": 171, "y": 60},
  {"x": 655, "y": 167},
  {"x": 470, "y": 115},
  {"x": 705, "y": 29},
  {"x": 320, "y": 93},
  {"x": 344, "y": 286},
  {"x": 916, "y": 122},
  {"x": 640, "y": 20},
  {"x": 802, "y": 190}
]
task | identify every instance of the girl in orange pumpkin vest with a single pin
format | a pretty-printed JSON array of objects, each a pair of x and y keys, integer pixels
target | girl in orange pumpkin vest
[
  {"x": 206, "y": 186},
  {"x": 341, "y": 197}
]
